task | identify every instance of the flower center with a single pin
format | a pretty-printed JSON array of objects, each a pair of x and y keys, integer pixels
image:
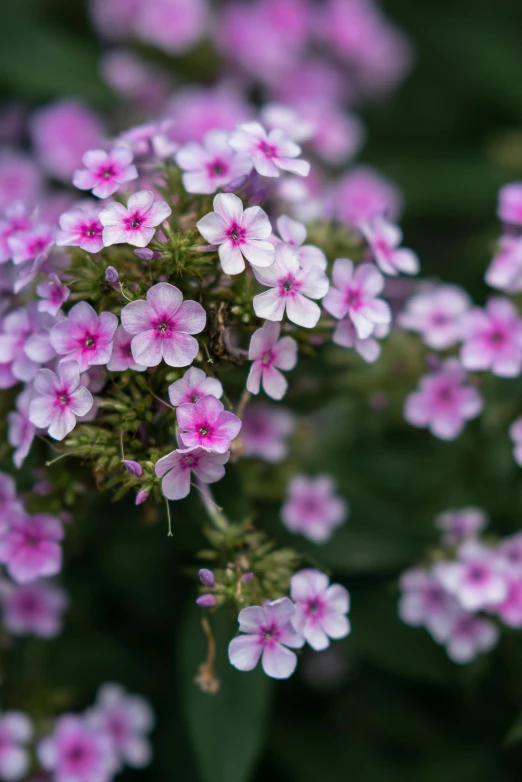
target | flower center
[
  {"x": 353, "y": 298},
  {"x": 217, "y": 168},
  {"x": 76, "y": 754},
  {"x": 163, "y": 327},
  {"x": 194, "y": 398},
  {"x": 445, "y": 394},
  {"x": 268, "y": 635},
  {"x": 236, "y": 232},
  {"x": 63, "y": 399},
  {"x": 288, "y": 284},
  {"x": 89, "y": 342},
  {"x": 203, "y": 431},
  {"x": 107, "y": 173},
  {"x": 267, "y": 358},
  {"x": 189, "y": 461},
  {"x": 497, "y": 338},
  {"x": 313, "y": 607},
  {"x": 267, "y": 149}
]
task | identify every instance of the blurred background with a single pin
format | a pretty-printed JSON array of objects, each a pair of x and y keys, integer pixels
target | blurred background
[{"x": 384, "y": 704}]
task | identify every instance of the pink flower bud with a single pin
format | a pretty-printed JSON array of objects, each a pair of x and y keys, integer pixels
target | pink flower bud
[
  {"x": 206, "y": 601},
  {"x": 141, "y": 496},
  {"x": 112, "y": 276},
  {"x": 246, "y": 578},
  {"x": 206, "y": 577},
  {"x": 133, "y": 467}
]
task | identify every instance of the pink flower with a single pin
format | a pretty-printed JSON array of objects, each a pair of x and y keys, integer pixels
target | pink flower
[
  {"x": 239, "y": 234},
  {"x": 505, "y": 270},
  {"x": 267, "y": 633},
  {"x": 295, "y": 233},
  {"x": 270, "y": 354},
  {"x": 53, "y": 295},
  {"x": 492, "y": 339},
  {"x": 35, "y": 242},
  {"x": 320, "y": 611},
  {"x": 207, "y": 424},
  {"x": 510, "y": 610},
  {"x": 33, "y": 609},
  {"x": 363, "y": 194},
  {"x": 510, "y": 552},
  {"x": 24, "y": 344},
  {"x": 443, "y": 403},
  {"x": 126, "y": 720},
  {"x": 176, "y": 469},
  {"x": 290, "y": 288},
  {"x": 16, "y": 219},
  {"x": 162, "y": 327},
  {"x": 77, "y": 751},
  {"x": 20, "y": 179},
  {"x": 458, "y": 525},
  {"x": 312, "y": 508},
  {"x": 81, "y": 227},
  {"x": 16, "y": 730},
  {"x": 265, "y": 430},
  {"x": 59, "y": 399},
  {"x": 510, "y": 203},
  {"x": 135, "y": 224},
  {"x": 212, "y": 164},
  {"x": 20, "y": 429},
  {"x": 476, "y": 579},
  {"x": 467, "y": 635},
  {"x": 172, "y": 25},
  {"x": 193, "y": 386},
  {"x": 30, "y": 549},
  {"x": 84, "y": 336},
  {"x": 9, "y": 502},
  {"x": 271, "y": 152},
  {"x": 368, "y": 348},
  {"x": 104, "y": 172},
  {"x": 121, "y": 357},
  {"x": 355, "y": 294},
  {"x": 515, "y": 432},
  {"x": 384, "y": 239},
  {"x": 424, "y": 602},
  {"x": 437, "y": 315},
  {"x": 196, "y": 110}
]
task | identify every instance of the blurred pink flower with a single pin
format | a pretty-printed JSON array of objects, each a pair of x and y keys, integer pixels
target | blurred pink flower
[
  {"x": 320, "y": 608},
  {"x": 312, "y": 508},
  {"x": 269, "y": 354},
  {"x": 492, "y": 339}
]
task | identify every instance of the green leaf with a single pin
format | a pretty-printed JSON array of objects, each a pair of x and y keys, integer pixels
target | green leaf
[{"x": 226, "y": 729}]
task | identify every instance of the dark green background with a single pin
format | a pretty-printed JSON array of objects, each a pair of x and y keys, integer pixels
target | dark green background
[{"x": 398, "y": 710}]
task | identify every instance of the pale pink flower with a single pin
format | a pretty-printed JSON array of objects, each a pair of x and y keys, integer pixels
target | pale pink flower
[
  {"x": 126, "y": 720},
  {"x": 312, "y": 508},
  {"x": 24, "y": 344},
  {"x": 16, "y": 219},
  {"x": 16, "y": 730},
  {"x": 162, "y": 327},
  {"x": 510, "y": 610},
  {"x": 20, "y": 179},
  {"x": 33, "y": 243},
  {"x": 176, "y": 468},
  {"x": 291, "y": 289},
  {"x": 174, "y": 26},
  {"x": 368, "y": 348},
  {"x": 295, "y": 233},
  {"x": 194, "y": 385},
  {"x": 212, "y": 164},
  {"x": 9, "y": 502},
  {"x": 135, "y": 224},
  {"x": 510, "y": 203},
  {"x": 265, "y": 431},
  {"x": 510, "y": 552},
  {"x": 458, "y": 525},
  {"x": 52, "y": 294},
  {"x": 81, "y": 227},
  {"x": 149, "y": 141},
  {"x": 59, "y": 399},
  {"x": 443, "y": 403},
  {"x": 77, "y": 751},
  {"x": 238, "y": 234},
  {"x": 505, "y": 270},
  {"x": 207, "y": 424},
  {"x": 196, "y": 110},
  {"x": 477, "y": 579},
  {"x": 121, "y": 356},
  {"x": 515, "y": 433},
  {"x": 33, "y": 609},
  {"x": 355, "y": 295},
  {"x": 85, "y": 336},
  {"x": 104, "y": 172},
  {"x": 287, "y": 118},
  {"x": 467, "y": 636},
  {"x": 436, "y": 314},
  {"x": 31, "y": 549},
  {"x": 267, "y": 633},
  {"x": 271, "y": 152},
  {"x": 321, "y": 608},
  {"x": 424, "y": 602},
  {"x": 492, "y": 339},
  {"x": 384, "y": 240},
  {"x": 363, "y": 194},
  {"x": 270, "y": 354},
  {"x": 20, "y": 430}
]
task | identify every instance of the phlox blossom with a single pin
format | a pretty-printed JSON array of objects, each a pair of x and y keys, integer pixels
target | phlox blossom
[
  {"x": 312, "y": 508},
  {"x": 59, "y": 399},
  {"x": 121, "y": 356},
  {"x": 30, "y": 548},
  {"x": 81, "y": 227},
  {"x": 33, "y": 609},
  {"x": 16, "y": 730},
  {"x": 505, "y": 270},
  {"x": 134, "y": 224},
  {"x": 265, "y": 432},
  {"x": 476, "y": 579},
  {"x": 194, "y": 385},
  {"x": 492, "y": 339},
  {"x": 294, "y": 233},
  {"x": 384, "y": 239},
  {"x": 436, "y": 314},
  {"x": 52, "y": 294},
  {"x": 104, "y": 172},
  {"x": 270, "y": 354},
  {"x": 510, "y": 203},
  {"x": 207, "y": 424},
  {"x": 84, "y": 336},
  {"x": 79, "y": 751},
  {"x": 212, "y": 164},
  {"x": 321, "y": 608},
  {"x": 20, "y": 430},
  {"x": 175, "y": 469},
  {"x": 356, "y": 295},
  {"x": 458, "y": 525},
  {"x": 271, "y": 152}
]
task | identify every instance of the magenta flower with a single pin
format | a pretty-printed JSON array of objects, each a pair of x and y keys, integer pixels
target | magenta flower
[
  {"x": 510, "y": 553},
  {"x": 16, "y": 218},
  {"x": 20, "y": 430},
  {"x": 193, "y": 386},
  {"x": 384, "y": 239},
  {"x": 437, "y": 315},
  {"x": 77, "y": 751},
  {"x": 505, "y": 269},
  {"x": 466, "y": 636},
  {"x": 355, "y": 295},
  {"x": 291, "y": 289},
  {"x": 265, "y": 431},
  {"x": 458, "y": 525},
  {"x": 33, "y": 243},
  {"x": 16, "y": 730},
  {"x": 515, "y": 433},
  {"x": 312, "y": 508},
  {"x": 176, "y": 469},
  {"x": 162, "y": 327},
  {"x": 84, "y": 336},
  {"x": 477, "y": 579},
  {"x": 238, "y": 234},
  {"x": 212, "y": 164},
  {"x": 363, "y": 194},
  {"x": 81, "y": 227},
  {"x": 510, "y": 610},
  {"x": 121, "y": 357},
  {"x": 270, "y": 354},
  {"x": 104, "y": 172},
  {"x": 271, "y": 152},
  {"x": 33, "y": 609},
  {"x": 443, "y": 403},
  {"x": 207, "y": 424},
  {"x": 126, "y": 720},
  {"x": 424, "y": 602},
  {"x": 368, "y": 348},
  {"x": 53, "y": 294},
  {"x": 135, "y": 224},
  {"x": 30, "y": 549},
  {"x": 267, "y": 633},
  {"x": 320, "y": 609},
  {"x": 295, "y": 233},
  {"x": 492, "y": 339},
  {"x": 59, "y": 399},
  {"x": 510, "y": 203}
]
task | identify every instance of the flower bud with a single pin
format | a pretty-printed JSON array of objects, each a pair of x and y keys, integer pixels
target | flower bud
[
  {"x": 146, "y": 254},
  {"x": 206, "y": 601},
  {"x": 206, "y": 577},
  {"x": 246, "y": 578},
  {"x": 133, "y": 467},
  {"x": 141, "y": 496},
  {"x": 112, "y": 276}
]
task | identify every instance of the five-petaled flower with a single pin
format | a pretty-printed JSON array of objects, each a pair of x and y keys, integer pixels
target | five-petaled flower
[
  {"x": 175, "y": 469},
  {"x": 81, "y": 227},
  {"x": 271, "y": 152},
  {"x": 194, "y": 385},
  {"x": 30, "y": 548},
  {"x": 270, "y": 354},
  {"x": 59, "y": 399},
  {"x": 104, "y": 172},
  {"x": 207, "y": 424},
  {"x": 492, "y": 339},
  {"x": 134, "y": 224},
  {"x": 355, "y": 295},
  {"x": 212, "y": 164},
  {"x": 321, "y": 608},
  {"x": 85, "y": 336},
  {"x": 384, "y": 239}
]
